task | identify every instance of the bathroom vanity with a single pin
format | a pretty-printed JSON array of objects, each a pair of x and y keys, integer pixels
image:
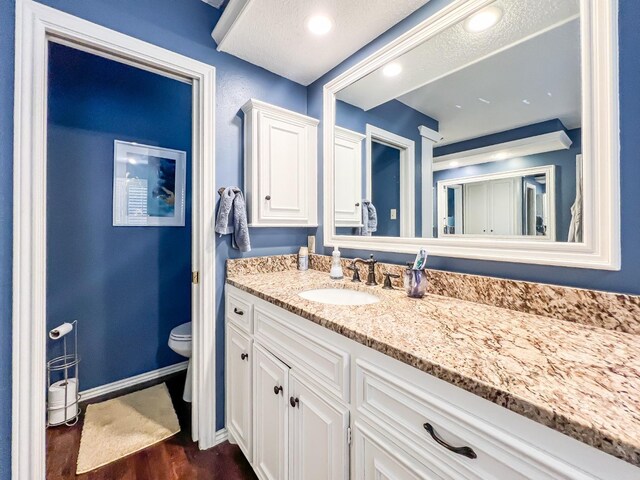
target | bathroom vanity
[{"x": 432, "y": 388}]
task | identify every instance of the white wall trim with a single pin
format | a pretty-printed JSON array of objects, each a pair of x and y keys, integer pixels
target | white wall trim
[
  {"x": 222, "y": 435},
  {"x": 600, "y": 146},
  {"x": 132, "y": 381},
  {"x": 407, "y": 149},
  {"x": 547, "y": 142},
  {"x": 230, "y": 17},
  {"x": 429, "y": 138},
  {"x": 36, "y": 25}
]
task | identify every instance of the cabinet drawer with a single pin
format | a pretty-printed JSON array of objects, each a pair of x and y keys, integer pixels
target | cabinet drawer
[
  {"x": 407, "y": 413},
  {"x": 322, "y": 363},
  {"x": 240, "y": 313}
]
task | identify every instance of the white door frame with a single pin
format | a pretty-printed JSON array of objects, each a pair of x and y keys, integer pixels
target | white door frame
[
  {"x": 36, "y": 25},
  {"x": 407, "y": 149}
]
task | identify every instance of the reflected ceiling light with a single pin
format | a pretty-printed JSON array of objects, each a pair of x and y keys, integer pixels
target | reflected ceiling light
[
  {"x": 483, "y": 20},
  {"x": 526, "y": 102},
  {"x": 453, "y": 163},
  {"x": 501, "y": 156},
  {"x": 459, "y": 106},
  {"x": 319, "y": 24},
  {"x": 392, "y": 69},
  {"x": 484, "y": 100}
]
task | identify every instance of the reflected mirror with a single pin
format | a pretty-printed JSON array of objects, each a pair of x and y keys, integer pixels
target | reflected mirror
[{"x": 475, "y": 132}]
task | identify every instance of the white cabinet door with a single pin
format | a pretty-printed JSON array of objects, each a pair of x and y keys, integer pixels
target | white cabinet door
[
  {"x": 379, "y": 459},
  {"x": 270, "y": 406},
  {"x": 283, "y": 169},
  {"x": 475, "y": 208},
  {"x": 348, "y": 178},
  {"x": 318, "y": 428},
  {"x": 503, "y": 207},
  {"x": 239, "y": 399}
]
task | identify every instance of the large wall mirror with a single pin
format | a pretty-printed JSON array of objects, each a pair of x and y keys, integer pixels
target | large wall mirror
[{"x": 489, "y": 131}]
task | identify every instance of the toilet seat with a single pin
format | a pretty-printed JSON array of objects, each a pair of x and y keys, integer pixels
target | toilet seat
[{"x": 181, "y": 333}]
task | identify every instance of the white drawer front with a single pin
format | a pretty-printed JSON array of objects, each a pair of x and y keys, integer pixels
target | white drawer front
[
  {"x": 319, "y": 361},
  {"x": 239, "y": 312},
  {"x": 403, "y": 410}
]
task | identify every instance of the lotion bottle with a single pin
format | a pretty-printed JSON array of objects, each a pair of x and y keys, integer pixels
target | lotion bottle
[{"x": 336, "y": 266}]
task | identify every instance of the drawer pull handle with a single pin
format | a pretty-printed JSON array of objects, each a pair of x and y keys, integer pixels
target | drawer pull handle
[
  {"x": 237, "y": 311},
  {"x": 277, "y": 389},
  {"x": 465, "y": 451},
  {"x": 244, "y": 356},
  {"x": 295, "y": 402}
]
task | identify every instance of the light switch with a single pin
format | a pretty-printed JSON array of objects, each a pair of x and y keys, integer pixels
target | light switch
[
  {"x": 394, "y": 214},
  {"x": 311, "y": 243}
]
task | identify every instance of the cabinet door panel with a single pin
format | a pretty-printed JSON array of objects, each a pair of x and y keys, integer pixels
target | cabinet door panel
[
  {"x": 239, "y": 399},
  {"x": 283, "y": 169},
  {"x": 270, "y": 412},
  {"x": 475, "y": 208},
  {"x": 503, "y": 207},
  {"x": 318, "y": 435},
  {"x": 348, "y": 178}
]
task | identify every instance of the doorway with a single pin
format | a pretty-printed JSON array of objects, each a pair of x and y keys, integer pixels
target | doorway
[{"x": 37, "y": 26}]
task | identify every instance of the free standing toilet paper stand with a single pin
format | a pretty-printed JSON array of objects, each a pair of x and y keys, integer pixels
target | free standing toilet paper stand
[{"x": 62, "y": 379}]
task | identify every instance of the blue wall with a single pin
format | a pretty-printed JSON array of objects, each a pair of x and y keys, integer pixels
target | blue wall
[
  {"x": 564, "y": 160},
  {"x": 385, "y": 187},
  {"x": 627, "y": 280},
  {"x": 395, "y": 117},
  {"x": 126, "y": 286}
]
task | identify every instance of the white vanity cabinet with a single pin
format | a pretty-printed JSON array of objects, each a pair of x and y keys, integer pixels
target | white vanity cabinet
[
  {"x": 348, "y": 177},
  {"x": 280, "y": 166},
  {"x": 311, "y": 388}
]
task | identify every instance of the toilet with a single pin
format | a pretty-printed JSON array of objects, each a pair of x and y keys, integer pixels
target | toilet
[{"x": 180, "y": 342}]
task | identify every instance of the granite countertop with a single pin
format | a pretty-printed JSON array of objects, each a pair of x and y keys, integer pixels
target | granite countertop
[{"x": 581, "y": 380}]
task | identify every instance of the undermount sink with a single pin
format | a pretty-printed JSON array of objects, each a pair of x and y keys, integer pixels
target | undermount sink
[{"x": 339, "y": 296}]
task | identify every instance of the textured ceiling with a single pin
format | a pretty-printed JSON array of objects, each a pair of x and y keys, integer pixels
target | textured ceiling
[
  {"x": 455, "y": 48},
  {"x": 543, "y": 71},
  {"x": 272, "y": 33}
]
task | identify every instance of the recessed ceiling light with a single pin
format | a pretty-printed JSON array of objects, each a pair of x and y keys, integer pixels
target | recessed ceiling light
[
  {"x": 319, "y": 24},
  {"x": 549, "y": 94},
  {"x": 526, "y": 102},
  {"x": 458, "y": 106},
  {"x": 392, "y": 69},
  {"x": 483, "y": 20},
  {"x": 484, "y": 100}
]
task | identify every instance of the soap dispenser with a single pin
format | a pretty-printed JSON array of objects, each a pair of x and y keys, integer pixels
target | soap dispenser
[{"x": 336, "y": 266}]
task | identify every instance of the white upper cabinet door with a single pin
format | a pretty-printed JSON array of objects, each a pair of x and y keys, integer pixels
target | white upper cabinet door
[
  {"x": 318, "y": 444},
  {"x": 239, "y": 399},
  {"x": 280, "y": 166},
  {"x": 270, "y": 408},
  {"x": 348, "y": 177}
]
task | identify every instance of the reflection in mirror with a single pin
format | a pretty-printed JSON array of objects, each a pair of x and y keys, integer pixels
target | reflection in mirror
[{"x": 475, "y": 132}]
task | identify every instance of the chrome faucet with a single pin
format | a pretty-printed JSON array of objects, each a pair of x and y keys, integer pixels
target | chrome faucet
[{"x": 371, "y": 276}]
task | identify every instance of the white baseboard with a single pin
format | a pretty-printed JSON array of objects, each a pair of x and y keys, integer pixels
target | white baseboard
[
  {"x": 221, "y": 436},
  {"x": 131, "y": 381}
]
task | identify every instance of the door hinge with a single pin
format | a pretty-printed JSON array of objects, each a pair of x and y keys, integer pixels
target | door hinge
[
  {"x": 348, "y": 435},
  {"x": 195, "y": 278}
]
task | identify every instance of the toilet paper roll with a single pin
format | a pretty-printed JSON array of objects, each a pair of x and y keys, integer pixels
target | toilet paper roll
[
  {"x": 60, "y": 331},
  {"x": 57, "y": 390}
]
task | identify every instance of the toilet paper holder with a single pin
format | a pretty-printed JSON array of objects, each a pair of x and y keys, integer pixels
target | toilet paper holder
[{"x": 63, "y": 388}]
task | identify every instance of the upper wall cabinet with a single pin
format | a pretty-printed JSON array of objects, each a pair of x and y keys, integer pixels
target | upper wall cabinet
[
  {"x": 348, "y": 177},
  {"x": 280, "y": 166}
]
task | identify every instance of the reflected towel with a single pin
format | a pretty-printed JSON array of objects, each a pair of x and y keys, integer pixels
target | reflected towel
[
  {"x": 232, "y": 219},
  {"x": 369, "y": 218}
]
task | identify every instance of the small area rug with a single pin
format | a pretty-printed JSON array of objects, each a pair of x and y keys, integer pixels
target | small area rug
[{"x": 119, "y": 427}]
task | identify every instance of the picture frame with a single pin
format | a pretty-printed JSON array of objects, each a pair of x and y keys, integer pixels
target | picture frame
[{"x": 149, "y": 185}]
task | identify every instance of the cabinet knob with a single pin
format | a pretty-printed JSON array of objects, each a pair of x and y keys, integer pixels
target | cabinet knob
[
  {"x": 244, "y": 356},
  {"x": 295, "y": 402},
  {"x": 464, "y": 451},
  {"x": 358, "y": 204},
  {"x": 237, "y": 312},
  {"x": 277, "y": 389},
  {"x": 268, "y": 197}
]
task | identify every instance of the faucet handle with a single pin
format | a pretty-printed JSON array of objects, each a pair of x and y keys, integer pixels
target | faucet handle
[
  {"x": 356, "y": 273},
  {"x": 387, "y": 280}
]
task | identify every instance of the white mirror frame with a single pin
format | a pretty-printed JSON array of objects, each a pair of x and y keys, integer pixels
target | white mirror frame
[{"x": 600, "y": 140}]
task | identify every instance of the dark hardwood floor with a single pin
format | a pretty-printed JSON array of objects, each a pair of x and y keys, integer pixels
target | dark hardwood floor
[{"x": 173, "y": 459}]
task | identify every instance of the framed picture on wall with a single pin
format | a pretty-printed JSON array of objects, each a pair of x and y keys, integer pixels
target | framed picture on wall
[{"x": 148, "y": 185}]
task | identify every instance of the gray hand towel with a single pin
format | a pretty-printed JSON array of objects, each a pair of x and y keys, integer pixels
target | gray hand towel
[
  {"x": 369, "y": 218},
  {"x": 232, "y": 219}
]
